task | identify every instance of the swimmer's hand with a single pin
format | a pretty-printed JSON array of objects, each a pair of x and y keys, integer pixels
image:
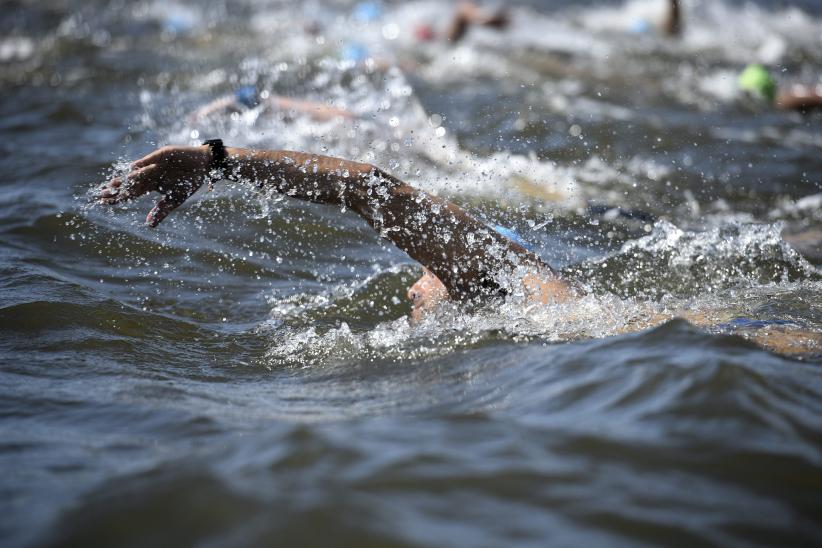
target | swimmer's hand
[{"x": 176, "y": 172}]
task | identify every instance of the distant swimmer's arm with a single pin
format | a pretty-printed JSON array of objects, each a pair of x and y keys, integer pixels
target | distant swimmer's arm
[
  {"x": 460, "y": 250},
  {"x": 229, "y": 104},
  {"x": 469, "y": 13},
  {"x": 672, "y": 25},
  {"x": 799, "y": 98},
  {"x": 223, "y": 105},
  {"x": 317, "y": 111}
]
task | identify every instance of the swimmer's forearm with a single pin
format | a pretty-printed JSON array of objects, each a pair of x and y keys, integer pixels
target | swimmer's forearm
[
  {"x": 225, "y": 104},
  {"x": 467, "y": 14},
  {"x": 269, "y": 166},
  {"x": 799, "y": 100},
  {"x": 672, "y": 25},
  {"x": 311, "y": 177},
  {"x": 459, "y": 249},
  {"x": 317, "y": 111}
]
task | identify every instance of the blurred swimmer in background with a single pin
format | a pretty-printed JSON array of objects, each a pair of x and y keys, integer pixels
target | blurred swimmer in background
[
  {"x": 250, "y": 97},
  {"x": 466, "y": 15},
  {"x": 354, "y": 54},
  {"x": 757, "y": 82},
  {"x": 670, "y": 25}
]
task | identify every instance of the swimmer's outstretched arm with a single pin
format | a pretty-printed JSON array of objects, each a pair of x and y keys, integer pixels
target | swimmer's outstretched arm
[
  {"x": 672, "y": 25},
  {"x": 229, "y": 104},
  {"x": 314, "y": 110},
  {"x": 799, "y": 98},
  {"x": 459, "y": 249},
  {"x": 468, "y": 13},
  {"x": 226, "y": 104}
]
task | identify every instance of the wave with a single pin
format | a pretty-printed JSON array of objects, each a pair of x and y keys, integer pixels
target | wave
[
  {"x": 512, "y": 430},
  {"x": 708, "y": 277},
  {"x": 671, "y": 261}
]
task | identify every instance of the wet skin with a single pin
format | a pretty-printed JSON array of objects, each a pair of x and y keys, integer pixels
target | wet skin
[
  {"x": 468, "y": 258},
  {"x": 425, "y": 294},
  {"x": 800, "y": 99}
]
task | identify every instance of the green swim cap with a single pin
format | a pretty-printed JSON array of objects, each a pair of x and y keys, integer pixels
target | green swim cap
[{"x": 755, "y": 79}]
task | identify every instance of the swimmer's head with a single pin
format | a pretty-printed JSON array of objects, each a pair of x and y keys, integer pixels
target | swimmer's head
[
  {"x": 425, "y": 294},
  {"x": 424, "y": 33},
  {"x": 312, "y": 27},
  {"x": 367, "y": 12},
  {"x": 247, "y": 96},
  {"x": 640, "y": 26},
  {"x": 354, "y": 52},
  {"x": 512, "y": 235},
  {"x": 178, "y": 22},
  {"x": 428, "y": 290},
  {"x": 756, "y": 80}
]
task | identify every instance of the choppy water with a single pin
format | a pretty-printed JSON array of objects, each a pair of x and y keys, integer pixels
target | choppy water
[{"x": 246, "y": 374}]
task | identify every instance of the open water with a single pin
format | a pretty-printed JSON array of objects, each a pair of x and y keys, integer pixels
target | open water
[{"x": 246, "y": 373}]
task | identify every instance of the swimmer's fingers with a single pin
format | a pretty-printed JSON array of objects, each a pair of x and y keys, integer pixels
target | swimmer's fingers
[
  {"x": 176, "y": 172},
  {"x": 166, "y": 205},
  {"x": 150, "y": 178},
  {"x": 136, "y": 183},
  {"x": 175, "y": 192}
]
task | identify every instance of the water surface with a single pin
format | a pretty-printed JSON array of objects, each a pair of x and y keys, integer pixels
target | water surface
[{"x": 246, "y": 373}]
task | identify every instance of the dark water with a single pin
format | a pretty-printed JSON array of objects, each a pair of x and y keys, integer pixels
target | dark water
[{"x": 246, "y": 373}]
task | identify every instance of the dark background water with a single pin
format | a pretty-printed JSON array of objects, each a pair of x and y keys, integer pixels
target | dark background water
[{"x": 246, "y": 375}]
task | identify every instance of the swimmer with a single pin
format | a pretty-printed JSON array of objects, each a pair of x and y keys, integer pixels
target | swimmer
[
  {"x": 463, "y": 259},
  {"x": 756, "y": 81},
  {"x": 671, "y": 25},
  {"x": 466, "y": 15},
  {"x": 248, "y": 97}
]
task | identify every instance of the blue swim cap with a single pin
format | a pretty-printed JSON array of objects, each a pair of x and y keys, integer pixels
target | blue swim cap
[
  {"x": 367, "y": 12},
  {"x": 247, "y": 96},
  {"x": 177, "y": 24},
  {"x": 354, "y": 52},
  {"x": 512, "y": 235},
  {"x": 640, "y": 26}
]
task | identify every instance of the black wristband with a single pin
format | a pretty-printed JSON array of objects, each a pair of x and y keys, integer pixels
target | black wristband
[{"x": 219, "y": 157}]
